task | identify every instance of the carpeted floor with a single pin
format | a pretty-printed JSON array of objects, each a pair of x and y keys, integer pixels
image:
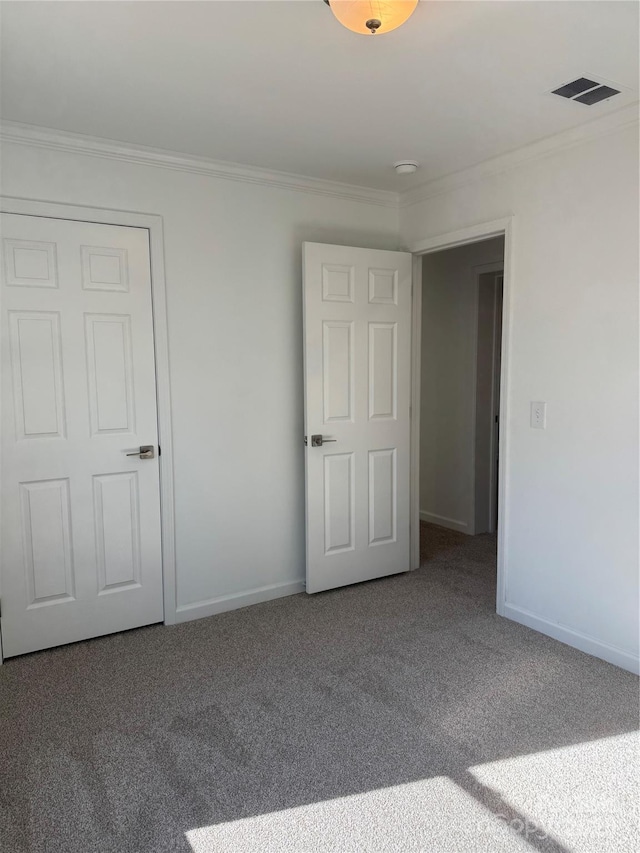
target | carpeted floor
[{"x": 397, "y": 715}]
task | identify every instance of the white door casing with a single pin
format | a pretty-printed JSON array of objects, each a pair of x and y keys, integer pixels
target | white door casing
[
  {"x": 357, "y": 349},
  {"x": 495, "y": 437},
  {"x": 488, "y": 327},
  {"x": 81, "y": 552}
]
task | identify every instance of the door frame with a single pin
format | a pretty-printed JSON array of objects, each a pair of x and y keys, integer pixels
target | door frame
[
  {"x": 153, "y": 224},
  {"x": 478, "y": 270},
  {"x": 450, "y": 240},
  {"x": 495, "y": 427}
]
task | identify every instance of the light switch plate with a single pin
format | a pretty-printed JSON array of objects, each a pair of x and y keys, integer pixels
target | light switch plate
[{"x": 538, "y": 415}]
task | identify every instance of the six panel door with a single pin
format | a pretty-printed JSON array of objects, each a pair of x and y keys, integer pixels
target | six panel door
[
  {"x": 357, "y": 342},
  {"x": 81, "y": 551}
]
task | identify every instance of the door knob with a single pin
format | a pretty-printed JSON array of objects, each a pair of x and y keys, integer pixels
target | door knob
[
  {"x": 318, "y": 440},
  {"x": 146, "y": 452}
]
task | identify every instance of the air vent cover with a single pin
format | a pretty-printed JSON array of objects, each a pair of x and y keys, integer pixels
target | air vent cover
[
  {"x": 584, "y": 90},
  {"x": 595, "y": 95}
]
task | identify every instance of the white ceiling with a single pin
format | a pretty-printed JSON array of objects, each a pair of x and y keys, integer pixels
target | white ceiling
[{"x": 283, "y": 86}]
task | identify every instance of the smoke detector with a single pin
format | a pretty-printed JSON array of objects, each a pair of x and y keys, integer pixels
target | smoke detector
[{"x": 405, "y": 167}]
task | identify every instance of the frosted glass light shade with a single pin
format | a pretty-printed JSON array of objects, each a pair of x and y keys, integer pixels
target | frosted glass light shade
[{"x": 372, "y": 16}]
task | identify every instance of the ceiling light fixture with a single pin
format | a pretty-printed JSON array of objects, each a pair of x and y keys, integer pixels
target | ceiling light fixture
[{"x": 369, "y": 17}]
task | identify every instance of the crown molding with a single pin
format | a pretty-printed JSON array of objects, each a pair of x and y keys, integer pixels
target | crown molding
[
  {"x": 76, "y": 143},
  {"x": 93, "y": 146},
  {"x": 602, "y": 126}
]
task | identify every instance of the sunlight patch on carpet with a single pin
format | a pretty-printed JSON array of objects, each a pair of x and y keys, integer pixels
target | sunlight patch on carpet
[
  {"x": 586, "y": 795},
  {"x": 579, "y": 798},
  {"x": 402, "y": 817}
]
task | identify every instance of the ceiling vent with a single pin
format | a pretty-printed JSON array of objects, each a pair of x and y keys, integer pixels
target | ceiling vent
[{"x": 584, "y": 90}]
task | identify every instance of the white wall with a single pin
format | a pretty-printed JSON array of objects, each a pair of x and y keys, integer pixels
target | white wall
[
  {"x": 233, "y": 269},
  {"x": 447, "y": 409},
  {"x": 572, "y": 505},
  {"x": 234, "y": 297}
]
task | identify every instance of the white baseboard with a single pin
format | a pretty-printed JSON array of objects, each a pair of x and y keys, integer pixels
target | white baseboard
[
  {"x": 443, "y": 521},
  {"x": 212, "y": 606},
  {"x": 597, "y": 648}
]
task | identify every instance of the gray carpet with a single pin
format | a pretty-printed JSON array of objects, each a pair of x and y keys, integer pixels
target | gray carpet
[{"x": 397, "y": 715}]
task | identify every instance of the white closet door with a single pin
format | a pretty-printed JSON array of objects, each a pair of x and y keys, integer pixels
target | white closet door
[{"x": 81, "y": 550}]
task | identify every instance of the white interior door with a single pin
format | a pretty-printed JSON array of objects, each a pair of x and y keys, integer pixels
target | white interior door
[
  {"x": 81, "y": 551},
  {"x": 357, "y": 343}
]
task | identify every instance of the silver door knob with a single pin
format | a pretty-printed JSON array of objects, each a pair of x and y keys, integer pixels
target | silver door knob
[
  {"x": 146, "y": 452},
  {"x": 318, "y": 440}
]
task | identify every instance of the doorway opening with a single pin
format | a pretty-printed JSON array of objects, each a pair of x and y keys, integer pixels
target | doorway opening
[{"x": 458, "y": 355}]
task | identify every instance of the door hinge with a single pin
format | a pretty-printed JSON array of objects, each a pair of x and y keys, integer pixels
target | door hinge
[{"x": 305, "y": 441}]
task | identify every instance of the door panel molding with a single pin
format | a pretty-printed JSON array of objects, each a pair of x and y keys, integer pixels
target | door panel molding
[
  {"x": 47, "y": 501},
  {"x": 154, "y": 226},
  {"x": 33, "y": 392}
]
